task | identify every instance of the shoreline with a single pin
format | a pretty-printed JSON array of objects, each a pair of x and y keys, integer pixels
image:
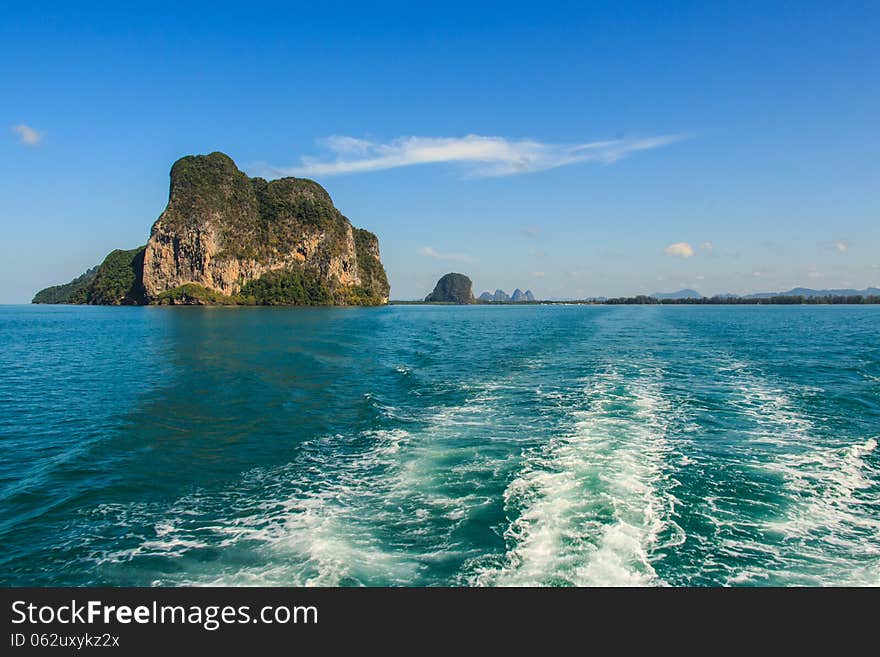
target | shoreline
[{"x": 652, "y": 301}]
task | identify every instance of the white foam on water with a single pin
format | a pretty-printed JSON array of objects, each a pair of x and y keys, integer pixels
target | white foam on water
[
  {"x": 301, "y": 524},
  {"x": 833, "y": 523},
  {"x": 827, "y": 530},
  {"x": 311, "y": 541},
  {"x": 589, "y": 507},
  {"x": 405, "y": 481},
  {"x": 371, "y": 509}
]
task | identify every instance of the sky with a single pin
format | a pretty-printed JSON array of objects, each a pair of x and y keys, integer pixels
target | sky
[{"x": 574, "y": 149}]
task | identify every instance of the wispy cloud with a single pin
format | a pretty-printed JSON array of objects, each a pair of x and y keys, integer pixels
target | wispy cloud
[
  {"x": 531, "y": 232},
  {"x": 433, "y": 253},
  {"x": 842, "y": 246},
  {"x": 538, "y": 274},
  {"x": 707, "y": 246},
  {"x": 27, "y": 135},
  {"x": 479, "y": 155},
  {"x": 679, "y": 250}
]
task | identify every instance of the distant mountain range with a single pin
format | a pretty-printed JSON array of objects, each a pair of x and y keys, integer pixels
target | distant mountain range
[
  {"x": 501, "y": 296},
  {"x": 681, "y": 294},
  {"x": 794, "y": 292},
  {"x": 808, "y": 292}
]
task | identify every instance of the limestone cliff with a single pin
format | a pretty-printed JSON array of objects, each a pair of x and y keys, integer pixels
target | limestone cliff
[{"x": 222, "y": 230}]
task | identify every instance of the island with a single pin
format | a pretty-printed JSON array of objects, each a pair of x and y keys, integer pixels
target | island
[
  {"x": 500, "y": 296},
  {"x": 452, "y": 288},
  {"x": 225, "y": 238}
]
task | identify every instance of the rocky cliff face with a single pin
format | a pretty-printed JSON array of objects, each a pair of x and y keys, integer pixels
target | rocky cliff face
[
  {"x": 222, "y": 230},
  {"x": 225, "y": 238}
]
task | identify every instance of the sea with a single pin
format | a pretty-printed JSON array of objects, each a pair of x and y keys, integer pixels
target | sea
[{"x": 440, "y": 446}]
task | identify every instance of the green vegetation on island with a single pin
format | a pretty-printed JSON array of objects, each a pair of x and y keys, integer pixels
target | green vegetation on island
[
  {"x": 115, "y": 282},
  {"x": 118, "y": 281},
  {"x": 72, "y": 292}
]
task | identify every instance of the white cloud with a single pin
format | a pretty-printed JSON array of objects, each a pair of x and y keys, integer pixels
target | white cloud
[
  {"x": 813, "y": 274},
  {"x": 538, "y": 274},
  {"x": 679, "y": 250},
  {"x": 842, "y": 246},
  {"x": 707, "y": 246},
  {"x": 340, "y": 144},
  {"x": 27, "y": 135},
  {"x": 433, "y": 253},
  {"x": 481, "y": 156}
]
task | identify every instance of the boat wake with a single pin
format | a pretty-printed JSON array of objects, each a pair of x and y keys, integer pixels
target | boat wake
[
  {"x": 593, "y": 505},
  {"x": 382, "y": 507},
  {"x": 821, "y": 522}
]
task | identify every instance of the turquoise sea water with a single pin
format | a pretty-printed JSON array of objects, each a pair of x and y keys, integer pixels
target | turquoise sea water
[{"x": 426, "y": 445}]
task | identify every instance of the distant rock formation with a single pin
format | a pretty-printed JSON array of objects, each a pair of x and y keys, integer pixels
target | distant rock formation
[
  {"x": 501, "y": 296},
  {"x": 452, "y": 288}
]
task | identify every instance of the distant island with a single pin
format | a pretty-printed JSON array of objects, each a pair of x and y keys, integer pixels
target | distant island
[
  {"x": 225, "y": 238},
  {"x": 455, "y": 288},
  {"x": 732, "y": 300},
  {"x": 501, "y": 296},
  {"x": 452, "y": 288},
  {"x": 805, "y": 292}
]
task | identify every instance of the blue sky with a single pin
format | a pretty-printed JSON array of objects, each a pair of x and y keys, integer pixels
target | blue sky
[{"x": 574, "y": 149}]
